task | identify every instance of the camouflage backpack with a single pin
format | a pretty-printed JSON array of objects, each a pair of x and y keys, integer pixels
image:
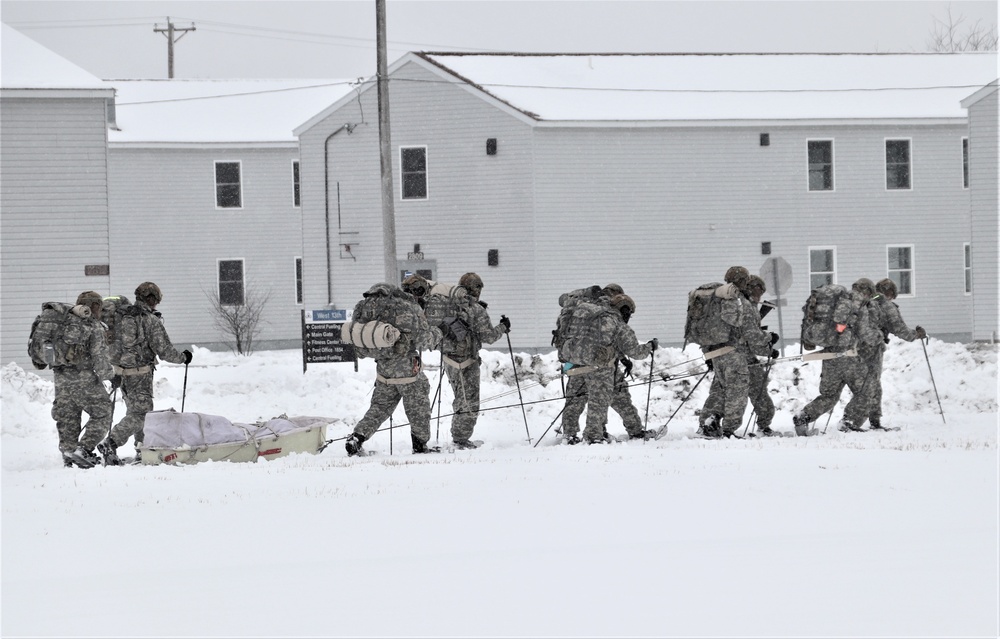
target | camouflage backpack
[
  {"x": 58, "y": 336},
  {"x": 446, "y": 308},
  {"x": 578, "y": 336},
  {"x": 128, "y": 346},
  {"x": 566, "y": 302},
  {"x": 372, "y": 330},
  {"x": 704, "y": 325},
  {"x": 828, "y": 306}
]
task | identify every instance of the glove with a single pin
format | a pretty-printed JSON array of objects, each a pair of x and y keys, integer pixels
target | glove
[
  {"x": 708, "y": 363},
  {"x": 627, "y": 363},
  {"x": 775, "y": 354},
  {"x": 654, "y": 344},
  {"x": 774, "y": 338},
  {"x": 921, "y": 333},
  {"x": 116, "y": 382},
  {"x": 445, "y": 329},
  {"x": 841, "y": 328},
  {"x": 505, "y": 323},
  {"x": 187, "y": 357}
]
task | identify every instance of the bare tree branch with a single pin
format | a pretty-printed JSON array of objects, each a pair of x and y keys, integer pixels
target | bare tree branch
[
  {"x": 950, "y": 36},
  {"x": 239, "y": 323}
]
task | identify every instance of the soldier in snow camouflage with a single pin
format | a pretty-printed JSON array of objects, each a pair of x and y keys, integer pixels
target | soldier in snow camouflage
[
  {"x": 80, "y": 388},
  {"x": 753, "y": 341},
  {"x": 398, "y": 374},
  {"x": 136, "y": 363},
  {"x": 892, "y": 323},
  {"x": 857, "y": 373},
  {"x": 595, "y": 385},
  {"x": 460, "y": 348}
]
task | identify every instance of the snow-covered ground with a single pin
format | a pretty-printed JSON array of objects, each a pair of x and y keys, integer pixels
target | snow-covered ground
[{"x": 873, "y": 534}]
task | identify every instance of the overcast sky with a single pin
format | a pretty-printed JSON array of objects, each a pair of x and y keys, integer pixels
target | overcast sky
[{"x": 336, "y": 38}]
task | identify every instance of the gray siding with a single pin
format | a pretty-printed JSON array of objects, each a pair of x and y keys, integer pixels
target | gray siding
[
  {"x": 166, "y": 228},
  {"x": 983, "y": 169},
  {"x": 54, "y": 198},
  {"x": 475, "y": 202},
  {"x": 660, "y": 211}
]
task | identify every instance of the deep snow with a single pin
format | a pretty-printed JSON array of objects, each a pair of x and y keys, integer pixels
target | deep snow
[{"x": 843, "y": 534}]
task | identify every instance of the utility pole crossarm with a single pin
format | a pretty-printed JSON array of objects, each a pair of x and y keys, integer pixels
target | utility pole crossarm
[{"x": 169, "y": 31}]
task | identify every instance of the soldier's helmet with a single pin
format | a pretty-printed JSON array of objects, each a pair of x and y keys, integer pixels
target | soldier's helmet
[
  {"x": 739, "y": 276},
  {"x": 148, "y": 289},
  {"x": 756, "y": 285},
  {"x": 613, "y": 289},
  {"x": 472, "y": 283},
  {"x": 416, "y": 285},
  {"x": 624, "y": 304},
  {"x": 864, "y": 286},
  {"x": 87, "y": 298},
  {"x": 887, "y": 288}
]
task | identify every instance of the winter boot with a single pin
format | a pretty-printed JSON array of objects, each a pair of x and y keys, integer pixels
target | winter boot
[
  {"x": 711, "y": 427},
  {"x": 801, "y": 423},
  {"x": 847, "y": 426},
  {"x": 80, "y": 457},
  {"x": 571, "y": 440},
  {"x": 465, "y": 444},
  {"x": 875, "y": 423},
  {"x": 420, "y": 448},
  {"x": 353, "y": 445},
  {"x": 643, "y": 434},
  {"x": 109, "y": 451},
  {"x": 764, "y": 430},
  {"x": 137, "y": 459}
]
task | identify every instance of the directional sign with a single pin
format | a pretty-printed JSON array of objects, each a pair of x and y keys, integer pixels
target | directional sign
[{"x": 321, "y": 341}]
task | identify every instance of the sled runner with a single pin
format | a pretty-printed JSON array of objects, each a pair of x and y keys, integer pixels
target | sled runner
[{"x": 189, "y": 438}]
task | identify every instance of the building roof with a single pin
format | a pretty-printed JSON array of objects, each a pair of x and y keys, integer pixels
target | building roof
[
  {"x": 201, "y": 112},
  {"x": 582, "y": 88},
  {"x": 26, "y": 64}
]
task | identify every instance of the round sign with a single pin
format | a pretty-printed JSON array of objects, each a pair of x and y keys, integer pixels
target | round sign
[{"x": 777, "y": 274}]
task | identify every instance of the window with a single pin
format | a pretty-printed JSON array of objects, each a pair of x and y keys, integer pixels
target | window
[
  {"x": 968, "y": 268},
  {"x": 900, "y": 270},
  {"x": 231, "y": 282},
  {"x": 897, "y": 164},
  {"x": 965, "y": 163},
  {"x": 228, "y": 188},
  {"x": 413, "y": 161},
  {"x": 296, "y": 202},
  {"x": 820, "y": 165},
  {"x": 298, "y": 280},
  {"x": 822, "y": 266}
]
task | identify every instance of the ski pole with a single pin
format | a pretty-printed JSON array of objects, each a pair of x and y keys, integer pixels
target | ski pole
[
  {"x": 390, "y": 434},
  {"x": 649, "y": 388},
  {"x": 760, "y": 391},
  {"x": 437, "y": 393},
  {"x": 184, "y": 392},
  {"x": 517, "y": 383},
  {"x": 663, "y": 429},
  {"x": 924, "y": 345},
  {"x": 550, "y": 426}
]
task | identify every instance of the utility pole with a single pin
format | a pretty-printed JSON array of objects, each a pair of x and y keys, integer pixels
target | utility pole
[
  {"x": 388, "y": 211},
  {"x": 169, "y": 32}
]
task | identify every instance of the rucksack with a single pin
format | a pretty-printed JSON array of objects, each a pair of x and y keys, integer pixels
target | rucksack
[
  {"x": 372, "y": 329},
  {"x": 827, "y": 306},
  {"x": 704, "y": 325},
  {"x": 58, "y": 336},
  {"x": 579, "y": 335},
  {"x": 109, "y": 310},
  {"x": 566, "y": 302},
  {"x": 445, "y": 307},
  {"x": 128, "y": 348}
]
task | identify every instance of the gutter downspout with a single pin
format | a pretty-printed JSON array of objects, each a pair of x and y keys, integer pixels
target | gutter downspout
[{"x": 326, "y": 188}]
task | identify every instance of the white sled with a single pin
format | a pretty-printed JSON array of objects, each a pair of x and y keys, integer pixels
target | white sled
[{"x": 189, "y": 438}]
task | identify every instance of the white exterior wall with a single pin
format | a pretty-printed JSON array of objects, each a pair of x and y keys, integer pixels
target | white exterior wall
[
  {"x": 54, "y": 198},
  {"x": 475, "y": 202},
  {"x": 983, "y": 184},
  {"x": 165, "y": 228}
]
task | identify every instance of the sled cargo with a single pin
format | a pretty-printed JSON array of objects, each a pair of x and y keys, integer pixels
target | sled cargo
[{"x": 190, "y": 438}]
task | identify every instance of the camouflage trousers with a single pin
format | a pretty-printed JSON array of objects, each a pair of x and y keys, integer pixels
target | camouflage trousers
[
  {"x": 79, "y": 392},
  {"x": 465, "y": 386},
  {"x": 416, "y": 405},
  {"x": 760, "y": 399},
  {"x": 621, "y": 403},
  {"x": 595, "y": 391},
  {"x": 138, "y": 393},
  {"x": 854, "y": 372},
  {"x": 729, "y": 392},
  {"x": 875, "y": 407}
]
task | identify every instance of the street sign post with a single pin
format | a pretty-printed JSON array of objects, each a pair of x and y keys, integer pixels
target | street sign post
[{"x": 777, "y": 276}]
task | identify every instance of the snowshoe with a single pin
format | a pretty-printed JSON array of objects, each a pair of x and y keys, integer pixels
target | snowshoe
[
  {"x": 885, "y": 429},
  {"x": 81, "y": 458},
  {"x": 109, "y": 452},
  {"x": 571, "y": 440},
  {"x": 467, "y": 444},
  {"x": 643, "y": 435}
]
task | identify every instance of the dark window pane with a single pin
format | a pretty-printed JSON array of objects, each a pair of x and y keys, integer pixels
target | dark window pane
[
  {"x": 821, "y": 261},
  {"x": 819, "y": 279},
  {"x": 414, "y": 160},
  {"x": 228, "y": 196},
  {"x": 227, "y": 172},
  {"x": 298, "y": 280},
  {"x": 899, "y": 257},
  {"x": 820, "y": 152},
  {"x": 231, "y": 270},
  {"x": 414, "y": 186},
  {"x": 231, "y": 293}
]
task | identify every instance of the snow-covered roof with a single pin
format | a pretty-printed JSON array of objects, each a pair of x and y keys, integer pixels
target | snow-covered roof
[
  {"x": 184, "y": 112},
  {"x": 26, "y": 64},
  {"x": 563, "y": 88}
]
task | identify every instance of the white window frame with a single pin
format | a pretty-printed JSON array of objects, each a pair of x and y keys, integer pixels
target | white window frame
[
  {"x": 833, "y": 175},
  {"x": 833, "y": 274},
  {"x": 885, "y": 163},
  {"x": 967, "y": 270},
  {"x": 298, "y": 278},
  {"x": 215, "y": 184},
  {"x": 296, "y": 184},
  {"x": 427, "y": 181},
  {"x": 912, "y": 270},
  {"x": 243, "y": 281},
  {"x": 966, "y": 147}
]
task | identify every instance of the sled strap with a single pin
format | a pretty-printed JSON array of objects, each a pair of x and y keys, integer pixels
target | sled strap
[
  {"x": 459, "y": 365},
  {"x": 719, "y": 352},
  {"x": 583, "y": 370}
]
